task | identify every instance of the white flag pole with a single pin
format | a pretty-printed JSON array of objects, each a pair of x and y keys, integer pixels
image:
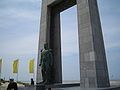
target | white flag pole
[{"x": 18, "y": 70}]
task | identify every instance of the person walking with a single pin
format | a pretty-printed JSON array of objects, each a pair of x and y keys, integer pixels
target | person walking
[{"x": 12, "y": 85}]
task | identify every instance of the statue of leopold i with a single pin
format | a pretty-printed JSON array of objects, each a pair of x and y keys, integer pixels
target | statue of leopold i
[{"x": 46, "y": 64}]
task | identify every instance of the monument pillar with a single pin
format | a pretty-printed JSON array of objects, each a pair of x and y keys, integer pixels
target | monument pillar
[
  {"x": 93, "y": 65},
  {"x": 50, "y": 33},
  {"x": 55, "y": 45},
  {"x": 42, "y": 38}
]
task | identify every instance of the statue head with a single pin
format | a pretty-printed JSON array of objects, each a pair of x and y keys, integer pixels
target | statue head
[{"x": 46, "y": 46}]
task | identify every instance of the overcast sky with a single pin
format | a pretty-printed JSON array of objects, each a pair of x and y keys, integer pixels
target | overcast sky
[{"x": 19, "y": 32}]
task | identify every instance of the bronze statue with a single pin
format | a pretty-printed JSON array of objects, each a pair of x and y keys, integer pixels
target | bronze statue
[{"x": 46, "y": 64}]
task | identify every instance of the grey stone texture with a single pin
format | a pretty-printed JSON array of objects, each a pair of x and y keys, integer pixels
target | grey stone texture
[{"x": 93, "y": 65}]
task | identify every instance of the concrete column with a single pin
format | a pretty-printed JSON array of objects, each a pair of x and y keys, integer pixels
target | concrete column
[
  {"x": 93, "y": 65},
  {"x": 42, "y": 37},
  {"x": 50, "y": 33},
  {"x": 55, "y": 45}
]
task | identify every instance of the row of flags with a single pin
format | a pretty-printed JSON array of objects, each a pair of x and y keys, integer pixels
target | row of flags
[
  {"x": 31, "y": 66},
  {"x": 16, "y": 63}
]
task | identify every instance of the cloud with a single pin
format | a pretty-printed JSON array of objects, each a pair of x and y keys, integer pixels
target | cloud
[
  {"x": 19, "y": 9},
  {"x": 19, "y": 14},
  {"x": 32, "y": 1},
  {"x": 111, "y": 37},
  {"x": 22, "y": 46},
  {"x": 113, "y": 45},
  {"x": 69, "y": 32},
  {"x": 69, "y": 42},
  {"x": 11, "y": 17}
]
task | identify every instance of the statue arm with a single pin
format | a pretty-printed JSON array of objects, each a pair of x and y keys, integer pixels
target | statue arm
[
  {"x": 41, "y": 60},
  {"x": 41, "y": 57},
  {"x": 51, "y": 59}
]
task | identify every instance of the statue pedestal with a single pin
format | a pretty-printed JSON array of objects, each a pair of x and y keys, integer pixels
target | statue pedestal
[
  {"x": 75, "y": 86},
  {"x": 40, "y": 87},
  {"x": 58, "y": 85}
]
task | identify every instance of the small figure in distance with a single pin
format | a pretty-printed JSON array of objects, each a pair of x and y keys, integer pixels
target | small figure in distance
[
  {"x": 32, "y": 81},
  {"x": 12, "y": 85}
]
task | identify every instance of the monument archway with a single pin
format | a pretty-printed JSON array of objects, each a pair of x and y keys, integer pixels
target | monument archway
[
  {"x": 93, "y": 65},
  {"x": 70, "y": 45}
]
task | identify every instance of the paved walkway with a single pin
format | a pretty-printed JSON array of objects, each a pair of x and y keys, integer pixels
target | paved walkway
[
  {"x": 72, "y": 88},
  {"x": 32, "y": 88}
]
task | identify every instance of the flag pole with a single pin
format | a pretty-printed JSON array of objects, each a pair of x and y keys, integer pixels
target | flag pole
[
  {"x": 33, "y": 70},
  {"x": 17, "y": 77},
  {"x": 17, "y": 70},
  {"x": 0, "y": 68},
  {"x": 34, "y": 76},
  {"x": 0, "y": 77}
]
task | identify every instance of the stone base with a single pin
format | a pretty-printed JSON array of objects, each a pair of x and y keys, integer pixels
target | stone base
[
  {"x": 75, "y": 86},
  {"x": 68, "y": 88},
  {"x": 40, "y": 87},
  {"x": 55, "y": 86}
]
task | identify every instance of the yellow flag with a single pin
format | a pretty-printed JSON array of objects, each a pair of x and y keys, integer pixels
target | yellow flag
[
  {"x": 31, "y": 66},
  {"x": 0, "y": 65},
  {"x": 15, "y": 66}
]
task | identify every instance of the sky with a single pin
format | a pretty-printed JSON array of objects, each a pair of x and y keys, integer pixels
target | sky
[{"x": 19, "y": 33}]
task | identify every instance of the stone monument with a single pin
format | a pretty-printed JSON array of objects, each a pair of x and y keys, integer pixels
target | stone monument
[{"x": 93, "y": 65}]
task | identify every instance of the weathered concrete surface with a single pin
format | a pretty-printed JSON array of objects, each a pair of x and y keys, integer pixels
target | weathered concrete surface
[
  {"x": 93, "y": 65},
  {"x": 69, "y": 88}
]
